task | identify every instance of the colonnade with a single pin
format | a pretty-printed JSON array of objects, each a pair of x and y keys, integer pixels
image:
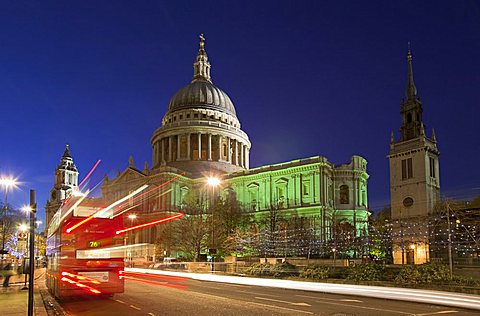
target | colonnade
[{"x": 201, "y": 146}]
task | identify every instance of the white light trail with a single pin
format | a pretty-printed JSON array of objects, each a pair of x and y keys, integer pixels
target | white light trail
[{"x": 400, "y": 294}]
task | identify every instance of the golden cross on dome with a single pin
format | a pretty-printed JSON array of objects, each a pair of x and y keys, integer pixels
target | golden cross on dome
[{"x": 202, "y": 41}]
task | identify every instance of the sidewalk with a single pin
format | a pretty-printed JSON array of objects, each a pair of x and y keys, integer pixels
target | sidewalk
[{"x": 14, "y": 300}]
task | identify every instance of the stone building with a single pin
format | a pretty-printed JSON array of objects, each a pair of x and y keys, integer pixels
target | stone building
[
  {"x": 66, "y": 178},
  {"x": 201, "y": 137},
  {"x": 414, "y": 180}
]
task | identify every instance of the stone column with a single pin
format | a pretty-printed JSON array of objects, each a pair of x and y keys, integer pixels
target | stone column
[
  {"x": 154, "y": 154},
  {"x": 199, "y": 146},
  {"x": 242, "y": 160},
  {"x": 189, "y": 156},
  {"x": 163, "y": 150},
  {"x": 209, "y": 148},
  {"x": 178, "y": 147},
  {"x": 170, "y": 148},
  {"x": 236, "y": 153},
  {"x": 247, "y": 159},
  {"x": 229, "y": 156},
  {"x": 219, "y": 148}
]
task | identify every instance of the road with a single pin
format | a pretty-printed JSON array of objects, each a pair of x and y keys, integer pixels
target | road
[{"x": 163, "y": 295}]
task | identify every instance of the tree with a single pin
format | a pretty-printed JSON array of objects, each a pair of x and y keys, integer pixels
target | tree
[
  {"x": 230, "y": 223},
  {"x": 191, "y": 231},
  {"x": 9, "y": 222},
  {"x": 380, "y": 232}
]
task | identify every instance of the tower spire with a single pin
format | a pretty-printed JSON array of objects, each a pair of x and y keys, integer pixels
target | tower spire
[
  {"x": 201, "y": 67},
  {"x": 411, "y": 91},
  {"x": 66, "y": 153}
]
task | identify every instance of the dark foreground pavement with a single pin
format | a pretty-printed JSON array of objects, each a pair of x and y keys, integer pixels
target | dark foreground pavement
[{"x": 14, "y": 300}]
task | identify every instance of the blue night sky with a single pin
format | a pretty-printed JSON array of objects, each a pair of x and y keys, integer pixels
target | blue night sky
[{"x": 307, "y": 78}]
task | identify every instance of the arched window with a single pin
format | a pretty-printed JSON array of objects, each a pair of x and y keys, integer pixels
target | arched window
[
  {"x": 409, "y": 118},
  {"x": 344, "y": 194}
]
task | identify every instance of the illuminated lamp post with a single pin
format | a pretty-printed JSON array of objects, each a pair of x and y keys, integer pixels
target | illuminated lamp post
[
  {"x": 7, "y": 184},
  {"x": 412, "y": 246},
  {"x": 213, "y": 182}
]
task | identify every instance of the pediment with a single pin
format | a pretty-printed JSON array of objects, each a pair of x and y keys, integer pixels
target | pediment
[{"x": 129, "y": 174}]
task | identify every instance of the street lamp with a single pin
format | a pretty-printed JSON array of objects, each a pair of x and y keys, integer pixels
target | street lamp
[
  {"x": 7, "y": 183},
  {"x": 213, "y": 182}
]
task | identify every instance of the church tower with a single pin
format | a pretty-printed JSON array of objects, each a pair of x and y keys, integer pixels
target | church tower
[
  {"x": 66, "y": 178},
  {"x": 414, "y": 179}
]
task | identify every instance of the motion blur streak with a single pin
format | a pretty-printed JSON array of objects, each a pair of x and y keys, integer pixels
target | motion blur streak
[
  {"x": 164, "y": 283},
  {"x": 82, "y": 278},
  {"x": 157, "y": 187},
  {"x": 162, "y": 277},
  {"x": 82, "y": 286},
  {"x": 106, "y": 209},
  {"x": 134, "y": 206},
  {"x": 77, "y": 203},
  {"x": 90, "y": 173},
  {"x": 165, "y": 219},
  {"x": 400, "y": 294}
]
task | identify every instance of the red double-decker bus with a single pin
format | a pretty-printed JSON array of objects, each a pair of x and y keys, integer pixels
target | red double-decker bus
[{"x": 88, "y": 259}]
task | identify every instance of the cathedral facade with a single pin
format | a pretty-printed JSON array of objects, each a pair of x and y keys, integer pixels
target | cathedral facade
[{"x": 201, "y": 137}]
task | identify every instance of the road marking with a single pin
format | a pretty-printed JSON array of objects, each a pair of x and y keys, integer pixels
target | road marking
[
  {"x": 331, "y": 299},
  {"x": 440, "y": 312},
  {"x": 237, "y": 285},
  {"x": 135, "y": 307},
  {"x": 284, "y": 308},
  {"x": 280, "y": 301},
  {"x": 264, "y": 294},
  {"x": 122, "y": 302},
  {"x": 211, "y": 287},
  {"x": 370, "y": 308}
]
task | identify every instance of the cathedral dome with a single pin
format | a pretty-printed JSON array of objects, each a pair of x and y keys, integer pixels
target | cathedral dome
[
  {"x": 200, "y": 131},
  {"x": 201, "y": 94}
]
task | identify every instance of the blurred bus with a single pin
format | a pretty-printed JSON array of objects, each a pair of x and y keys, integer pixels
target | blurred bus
[{"x": 88, "y": 260}]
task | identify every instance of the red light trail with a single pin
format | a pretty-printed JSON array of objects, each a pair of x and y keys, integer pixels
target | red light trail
[
  {"x": 80, "y": 285},
  {"x": 162, "y": 220},
  {"x": 90, "y": 173},
  {"x": 80, "y": 277},
  {"x": 104, "y": 210}
]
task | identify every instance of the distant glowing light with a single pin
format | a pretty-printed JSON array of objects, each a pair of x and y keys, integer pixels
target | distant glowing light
[
  {"x": 9, "y": 182},
  {"x": 23, "y": 227},
  {"x": 163, "y": 220},
  {"x": 213, "y": 181},
  {"x": 132, "y": 216},
  {"x": 26, "y": 209}
]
